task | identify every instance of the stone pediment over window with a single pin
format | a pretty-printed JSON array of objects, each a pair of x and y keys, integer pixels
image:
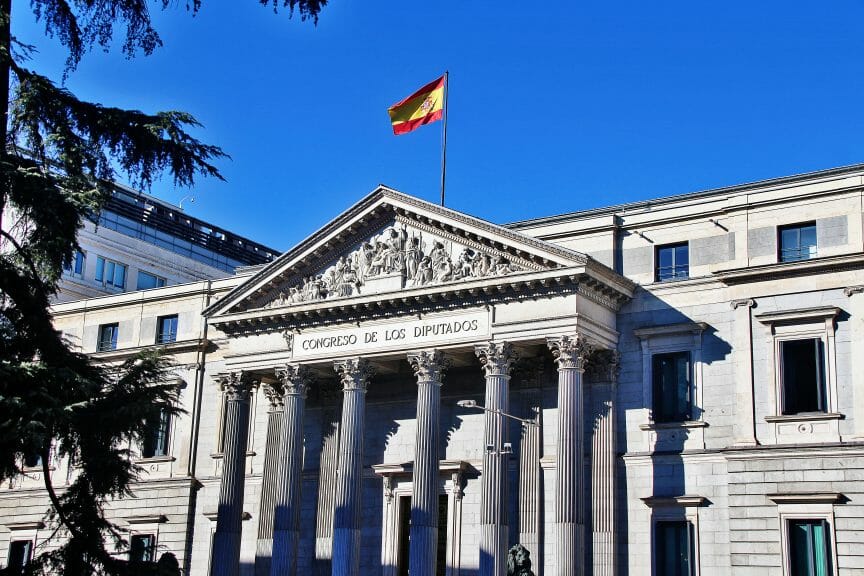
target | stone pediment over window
[{"x": 393, "y": 244}]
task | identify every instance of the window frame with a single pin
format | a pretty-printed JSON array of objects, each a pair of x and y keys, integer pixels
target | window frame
[
  {"x": 684, "y": 508},
  {"x": 690, "y": 392},
  {"x": 156, "y": 277},
  {"x": 100, "y": 340},
  {"x": 160, "y": 333},
  {"x": 31, "y": 541},
  {"x": 675, "y": 275},
  {"x": 152, "y": 547},
  {"x": 166, "y": 422},
  {"x": 101, "y": 276},
  {"x": 797, "y": 227},
  {"x": 77, "y": 265},
  {"x": 807, "y": 506}
]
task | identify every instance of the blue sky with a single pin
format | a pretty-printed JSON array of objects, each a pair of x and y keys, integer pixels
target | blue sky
[{"x": 553, "y": 107}]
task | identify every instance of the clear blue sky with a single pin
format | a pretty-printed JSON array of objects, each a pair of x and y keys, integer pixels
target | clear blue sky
[{"x": 554, "y": 107}]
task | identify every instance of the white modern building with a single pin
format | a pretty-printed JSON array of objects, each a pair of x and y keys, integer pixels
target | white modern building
[{"x": 674, "y": 386}]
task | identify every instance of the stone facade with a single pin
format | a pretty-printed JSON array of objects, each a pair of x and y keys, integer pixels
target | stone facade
[{"x": 359, "y": 375}]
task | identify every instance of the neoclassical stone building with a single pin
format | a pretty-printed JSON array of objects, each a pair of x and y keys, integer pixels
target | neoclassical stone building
[{"x": 666, "y": 387}]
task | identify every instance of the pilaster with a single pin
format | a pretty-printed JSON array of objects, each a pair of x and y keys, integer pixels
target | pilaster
[
  {"x": 264, "y": 546},
  {"x": 744, "y": 425},
  {"x": 496, "y": 358}
]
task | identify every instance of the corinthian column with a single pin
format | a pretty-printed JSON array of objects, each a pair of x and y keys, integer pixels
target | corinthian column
[
  {"x": 264, "y": 547},
  {"x": 496, "y": 358},
  {"x": 570, "y": 353},
  {"x": 354, "y": 374},
  {"x": 428, "y": 367},
  {"x": 226, "y": 541},
  {"x": 286, "y": 529}
]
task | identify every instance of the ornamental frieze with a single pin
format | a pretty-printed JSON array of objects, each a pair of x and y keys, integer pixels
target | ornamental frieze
[{"x": 398, "y": 257}]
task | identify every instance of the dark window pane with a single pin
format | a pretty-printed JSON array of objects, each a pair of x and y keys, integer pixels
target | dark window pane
[
  {"x": 672, "y": 262},
  {"x": 166, "y": 329},
  {"x": 802, "y": 374},
  {"x": 20, "y": 554},
  {"x": 107, "y": 337},
  {"x": 142, "y": 548},
  {"x": 32, "y": 460},
  {"x": 674, "y": 548},
  {"x": 671, "y": 387},
  {"x": 797, "y": 242},
  {"x": 809, "y": 549},
  {"x": 100, "y": 268},
  {"x": 156, "y": 439}
]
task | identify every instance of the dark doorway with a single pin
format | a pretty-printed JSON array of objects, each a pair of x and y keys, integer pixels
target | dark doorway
[{"x": 404, "y": 537}]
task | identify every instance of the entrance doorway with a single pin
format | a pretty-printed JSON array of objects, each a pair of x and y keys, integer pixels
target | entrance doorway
[{"x": 404, "y": 536}]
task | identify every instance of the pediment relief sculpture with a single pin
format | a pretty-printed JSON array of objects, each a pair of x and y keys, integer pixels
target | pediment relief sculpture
[{"x": 398, "y": 257}]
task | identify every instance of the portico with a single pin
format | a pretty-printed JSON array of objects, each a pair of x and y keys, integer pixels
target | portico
[{"x": 401, "y": 307}]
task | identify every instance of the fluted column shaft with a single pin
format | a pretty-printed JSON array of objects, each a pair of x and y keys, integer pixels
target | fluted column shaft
[
  {"x": 354, "y": 374},
  {"x": 496, "y": 360},
  {"x": 569, "y": 353},
  {"x": 226, "y": 540},
  {"x": 286, "y": 529},
  {"x": 428, "y": 367},
  {"x": 264, "y": 547}
]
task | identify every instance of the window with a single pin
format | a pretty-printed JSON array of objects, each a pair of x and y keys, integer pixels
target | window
[
  {"x": 75, "y": 266},
  {"x": 166, "y": 329},
  {"x": 107, "y": 337},
  {"x": 32, "y": 460},
  {"x": 802, "y": 376},
  {"x": 671, "y": 374},
  {"x": 157, "y": 436},
  {"x": 142, "y": 548},
  {"x": 147, "y": 280},
  {"x": 20, "y": 554},
  {"x": 809, "y": 547},
  {"x": 110, "y": 273},
  {"x": 674, "y": 548},
  {"x": 797, "y": 242},
  {"x": 672, "y": 262}
]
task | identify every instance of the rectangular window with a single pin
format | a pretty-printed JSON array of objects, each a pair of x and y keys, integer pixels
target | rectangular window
[
  {"x": 110, "y": 273},
  {"x": 20, "y": 555},
  {"x": 672, "y": 398},
  {"x": 166, "y": 329},
  {"x": 674, "y": 548},
  {"x": 147, "y": 281},
  {"x": 75, "y": 266},
  {"x": 142, "y": 548},
  {"x": 797, "y": 242},
  {"x": 157, "y": 436},
  {"x": 809, "y": 548},
  {"x": 672, "y": 262},
  {"x": 803, "y": 376},
  {"x": 32, "y": 460},
  {"x": 107, "y": 337}
]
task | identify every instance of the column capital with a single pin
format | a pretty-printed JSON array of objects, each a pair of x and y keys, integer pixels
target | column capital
[
  {"x": 496, "y": 358},
  {"x": 236, "y": 385},
  {"x": 354, "y": 373},
  {"x": 294, "y": 378},
  {"x": 570, "y": 352},
  {"x": 746, "y": 302},
  {"x": 275, "y": 395},
  {"x": 603, "y": 365},
  {"x": 428, "y": 365}
]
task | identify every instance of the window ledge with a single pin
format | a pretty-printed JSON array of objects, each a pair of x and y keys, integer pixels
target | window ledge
[
  {"x": 808, "y": 498},
  {"x": 808, "y": 417},
  {"x": 219, "y": 455},
  {"x": 155, "y": 459},
  {"x": 673, "y": 425},
  {"x": 686, "y": 500}
]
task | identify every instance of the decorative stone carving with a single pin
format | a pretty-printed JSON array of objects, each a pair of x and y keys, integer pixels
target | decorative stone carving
[
  {"x": 388, "y": 489},
  {"x": 354, "y": 373},
  {"x": 400, "y": 257},
  {"x": 603, "y": 365},
  {"x": 295, "y": 379},
  {"x": 496, "y": 358},
  {"x": 519, "y": 561},
  {"x": 275, "y": 396},
  {"x": 570, "y": 351},
  {"x": 428, "y": 365},
  {"x": 289, "y": 340},
  {"x": 237, "y": 385}
]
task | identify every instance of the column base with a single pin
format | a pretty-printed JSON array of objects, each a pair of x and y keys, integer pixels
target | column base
[
  {"x": 284, "y": 552},
  {"x": 570, "y": 550},
  {"x": 493, "y": 550},
  {"x": 263, "y": 556}
]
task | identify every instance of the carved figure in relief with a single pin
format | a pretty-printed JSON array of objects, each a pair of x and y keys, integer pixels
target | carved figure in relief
[
  {"x": 444, "y": 270},
  {"x": 519, "y": 561},
  {"x": 466, "y": 261},
  {"x": 424, "y": 272},
  {"x": 413, "y": 256}
]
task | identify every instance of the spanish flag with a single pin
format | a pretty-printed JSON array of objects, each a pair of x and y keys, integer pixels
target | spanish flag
[{"x": 423, "y": 107}]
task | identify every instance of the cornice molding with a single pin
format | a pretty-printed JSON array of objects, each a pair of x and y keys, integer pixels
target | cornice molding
[{"x": 781, "y": 270}]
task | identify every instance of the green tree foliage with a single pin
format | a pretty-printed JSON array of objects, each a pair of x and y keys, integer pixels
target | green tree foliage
[{"x": 57, "y": 163}]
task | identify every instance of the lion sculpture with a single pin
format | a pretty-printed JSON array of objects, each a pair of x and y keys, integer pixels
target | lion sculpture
[{"x": 519, "y": 561}]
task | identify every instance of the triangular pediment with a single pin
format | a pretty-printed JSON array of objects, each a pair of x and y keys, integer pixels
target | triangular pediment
[{"x": 389, "y": 243}]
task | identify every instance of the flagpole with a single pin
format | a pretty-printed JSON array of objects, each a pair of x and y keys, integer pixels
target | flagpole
[{"x": 444, "y": 136}]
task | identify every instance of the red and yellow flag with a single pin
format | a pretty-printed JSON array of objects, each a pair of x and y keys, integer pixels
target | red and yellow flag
[{"x": 423, "y": 107}]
